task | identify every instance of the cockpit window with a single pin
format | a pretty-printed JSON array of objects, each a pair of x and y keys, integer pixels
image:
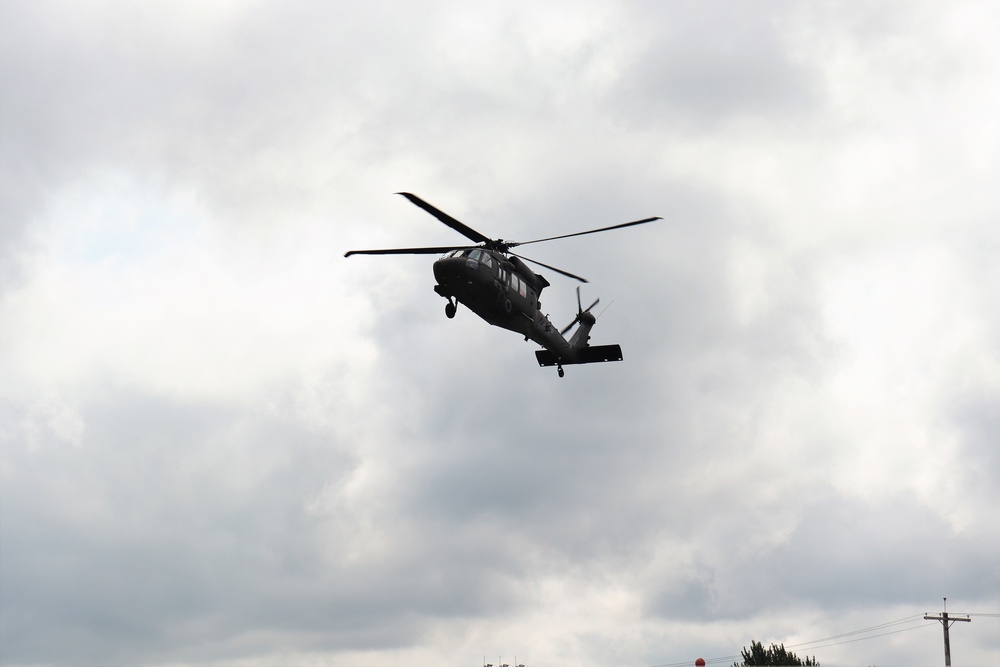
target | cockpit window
[{"x": 475, "y": 254}]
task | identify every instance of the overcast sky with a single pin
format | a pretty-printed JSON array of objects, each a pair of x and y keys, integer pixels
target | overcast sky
[{"x": 223, "y": 444}]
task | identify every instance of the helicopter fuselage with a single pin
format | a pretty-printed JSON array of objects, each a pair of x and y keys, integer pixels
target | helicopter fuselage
[{"x": 505, "y": 292}]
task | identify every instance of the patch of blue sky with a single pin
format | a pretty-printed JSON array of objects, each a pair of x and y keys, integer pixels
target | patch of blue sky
[{"x": 118, "y": 218}]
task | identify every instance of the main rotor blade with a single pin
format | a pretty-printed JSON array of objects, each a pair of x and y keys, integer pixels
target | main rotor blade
[
  {"x": 407, "y": 251},
  {"x": 565, "y": 273},
  {"x": 592, "y": 231},
  {"x": 459, "y": 227}
]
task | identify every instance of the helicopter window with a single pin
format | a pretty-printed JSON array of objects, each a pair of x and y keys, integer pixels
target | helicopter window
[
  {"x": 517, "y": 284},
  {"x": 475, "y": 254},
  {"x": 487, "y": 260}
]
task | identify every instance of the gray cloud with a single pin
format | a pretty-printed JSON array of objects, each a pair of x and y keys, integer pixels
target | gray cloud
[
  {"x": 706, "y": 64},
  {"x": 222, "y": 442}
]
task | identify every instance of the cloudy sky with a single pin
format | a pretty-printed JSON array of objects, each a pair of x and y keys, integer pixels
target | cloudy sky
[{"x": 223, "y": 444}]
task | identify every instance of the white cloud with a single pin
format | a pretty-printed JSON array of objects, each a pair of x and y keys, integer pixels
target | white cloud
[{"x": 138, "y": 289}]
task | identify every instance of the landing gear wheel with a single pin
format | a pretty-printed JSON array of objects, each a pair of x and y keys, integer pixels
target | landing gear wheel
[
  {"x": 450, "y": 309},
  {"x": 561, "y": 371}
]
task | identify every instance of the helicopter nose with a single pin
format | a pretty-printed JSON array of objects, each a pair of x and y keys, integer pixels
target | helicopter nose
[{"x": 447, "y": 269}]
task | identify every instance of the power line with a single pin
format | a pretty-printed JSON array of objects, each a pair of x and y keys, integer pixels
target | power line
[
  {"x": 860, "y": 639},
  {"x": 880, "y": 626},
  {"x": 852, "y": 633},
  {"x": 987, "y": 614}
]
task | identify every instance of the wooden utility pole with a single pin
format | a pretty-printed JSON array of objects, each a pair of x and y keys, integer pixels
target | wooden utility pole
[{"x": 946, "y": 623}]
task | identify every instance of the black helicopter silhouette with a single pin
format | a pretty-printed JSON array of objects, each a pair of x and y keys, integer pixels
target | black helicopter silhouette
[{"x": 497, "y": 285}]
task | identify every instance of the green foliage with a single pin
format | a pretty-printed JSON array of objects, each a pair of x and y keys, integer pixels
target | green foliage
[{"x": 775, "y": 655}]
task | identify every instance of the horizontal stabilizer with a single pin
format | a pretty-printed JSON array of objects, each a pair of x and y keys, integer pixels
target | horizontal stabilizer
[{"x": 585, "y": 355}]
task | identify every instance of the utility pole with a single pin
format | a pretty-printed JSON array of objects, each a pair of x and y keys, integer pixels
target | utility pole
[{"x": 946, "y": 623}]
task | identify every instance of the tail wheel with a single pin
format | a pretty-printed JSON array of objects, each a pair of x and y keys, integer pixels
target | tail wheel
[{"x": 450, "y": 309}]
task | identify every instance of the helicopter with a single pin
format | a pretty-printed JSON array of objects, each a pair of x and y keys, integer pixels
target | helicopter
[{"x": 496, "y": 284}]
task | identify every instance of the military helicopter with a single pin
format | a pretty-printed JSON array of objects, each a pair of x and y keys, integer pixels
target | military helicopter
[{"x": 497, "y": 285}]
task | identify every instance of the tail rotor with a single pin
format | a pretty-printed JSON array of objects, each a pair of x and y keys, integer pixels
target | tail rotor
[{"x": 581, "y": 313}]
